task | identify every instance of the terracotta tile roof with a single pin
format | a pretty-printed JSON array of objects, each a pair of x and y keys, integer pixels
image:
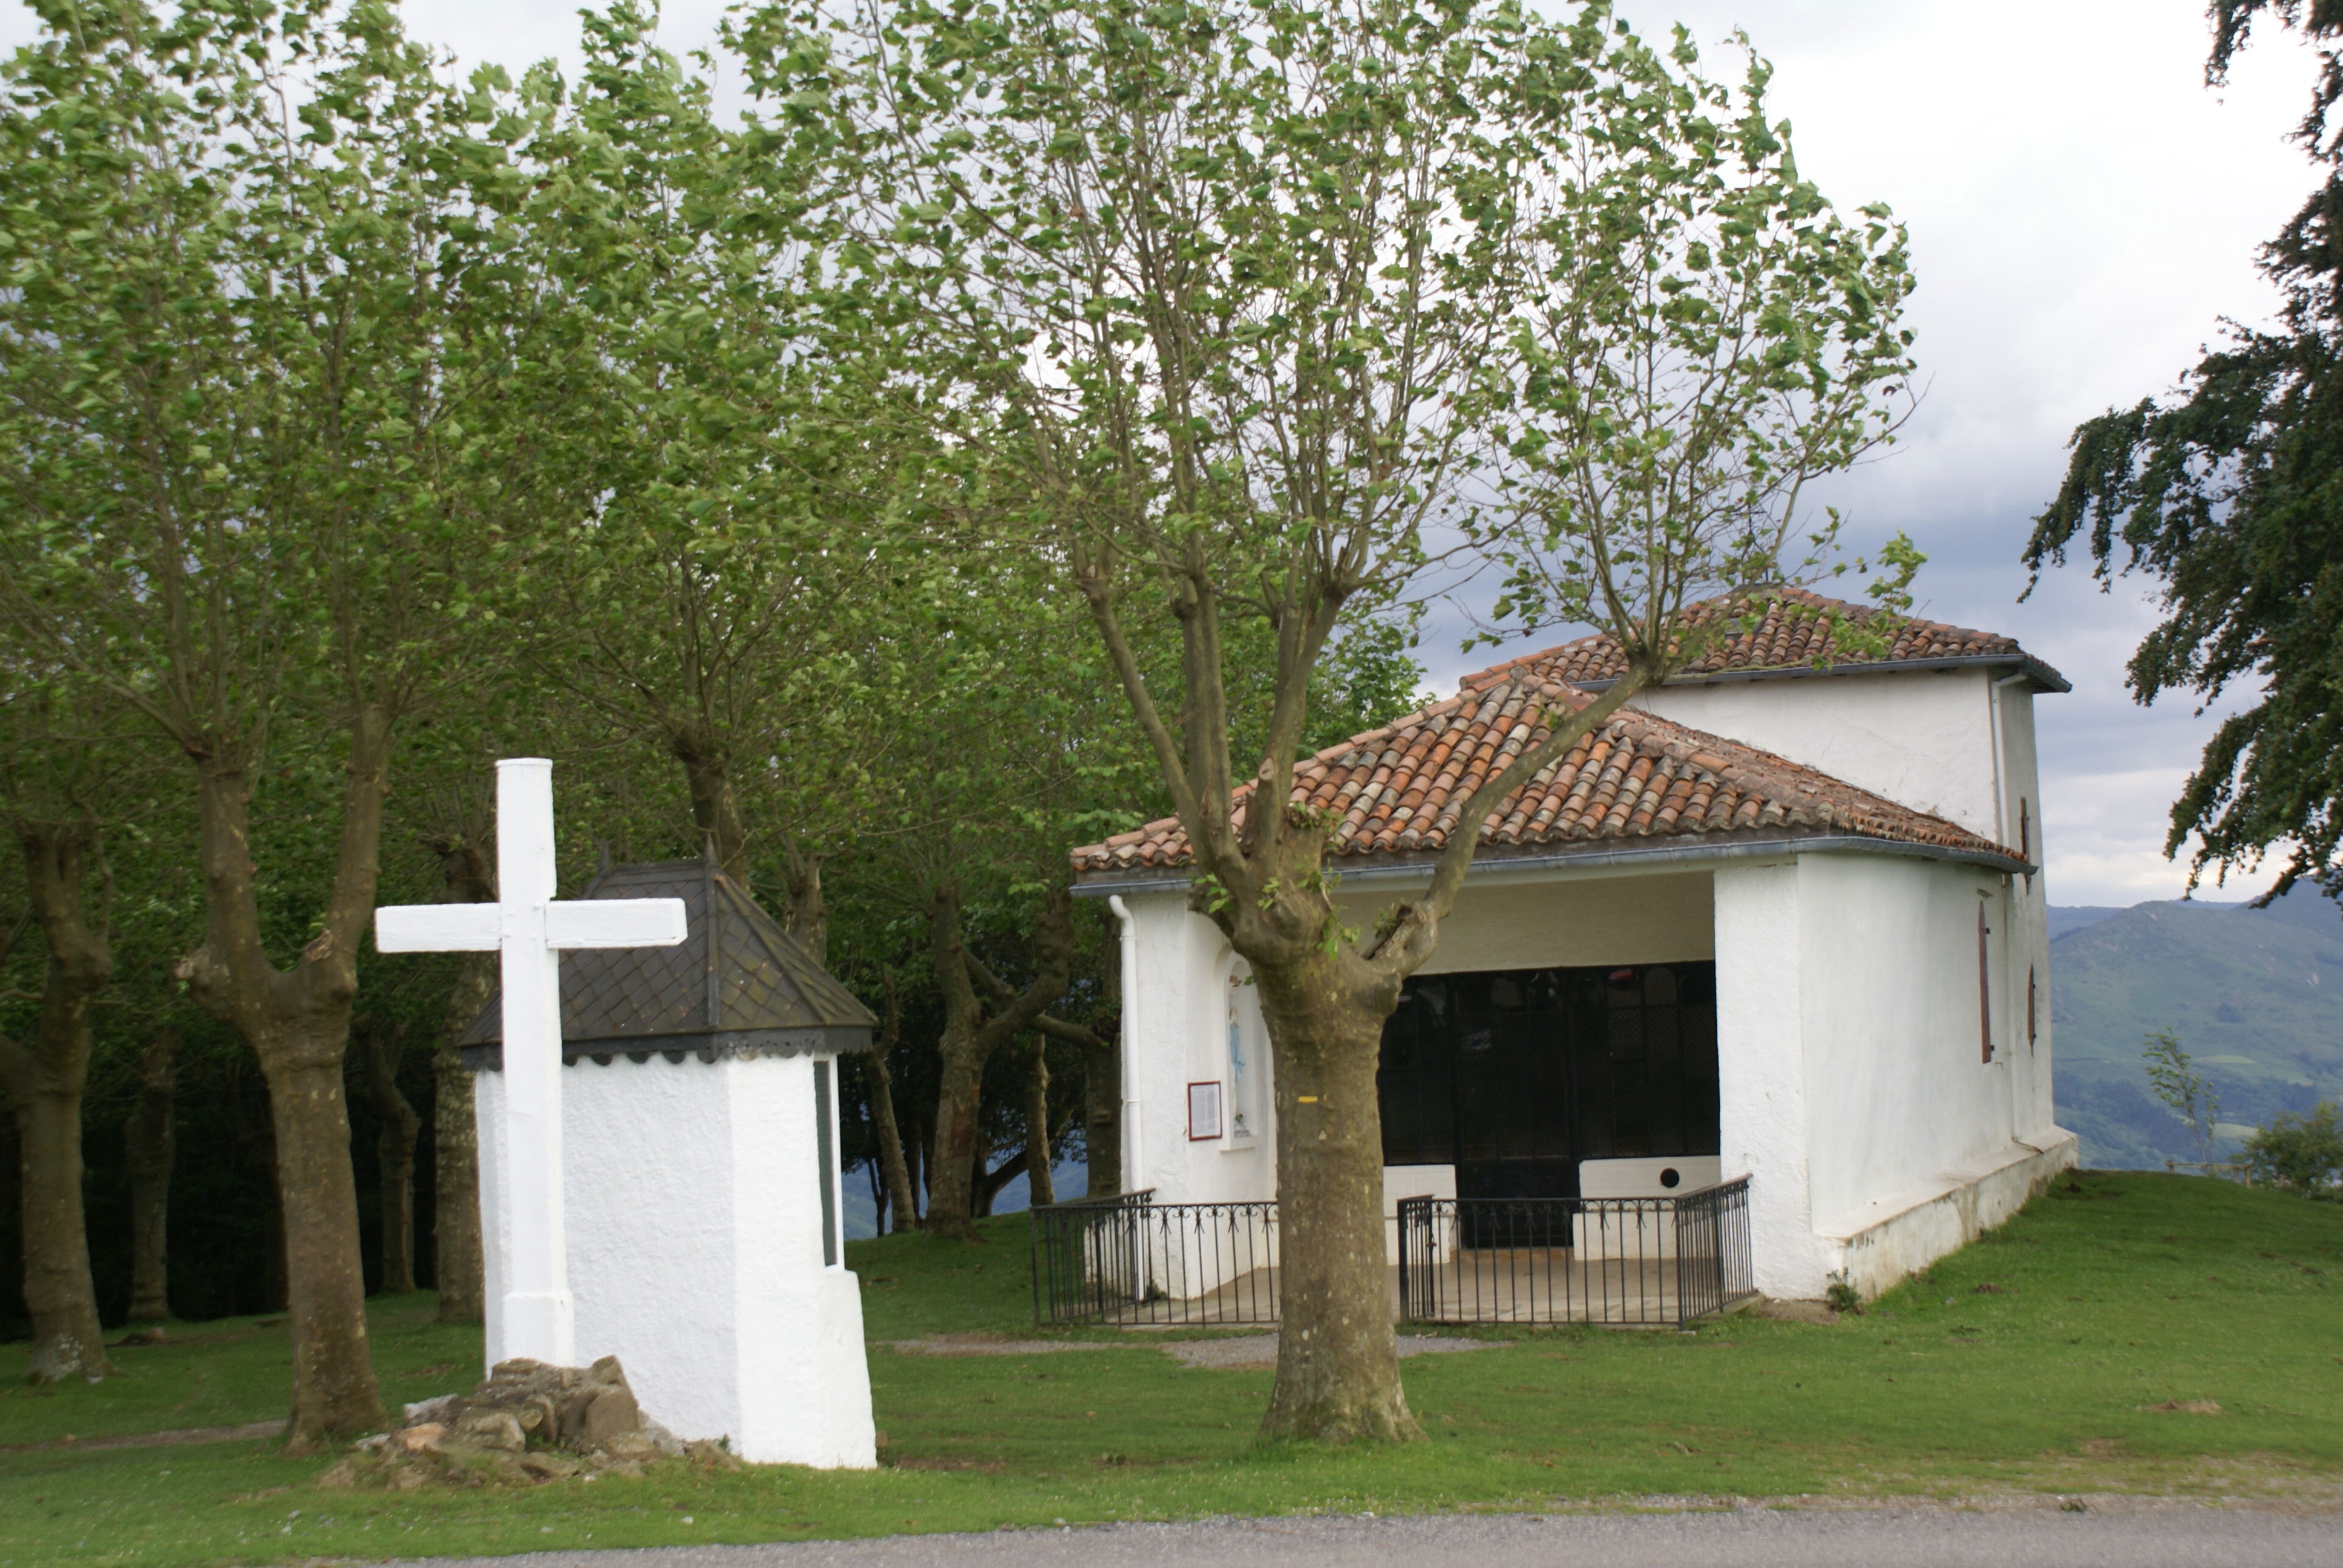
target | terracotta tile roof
[
  {"x": 1638, "y": 778},
  {"x": 1790, "y": 638}
]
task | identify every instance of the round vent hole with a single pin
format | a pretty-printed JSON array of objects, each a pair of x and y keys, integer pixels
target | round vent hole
[{"x": 1670, "y": 1177}]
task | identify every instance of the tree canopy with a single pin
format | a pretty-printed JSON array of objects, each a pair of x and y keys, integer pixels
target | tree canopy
[{"x": 2229, "y": 494}]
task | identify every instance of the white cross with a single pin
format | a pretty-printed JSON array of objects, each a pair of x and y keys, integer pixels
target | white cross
[{"x": 530, "y": 929}]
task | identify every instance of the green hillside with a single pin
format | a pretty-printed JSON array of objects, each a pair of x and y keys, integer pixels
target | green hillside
[{"x": 2253, "y": 994}]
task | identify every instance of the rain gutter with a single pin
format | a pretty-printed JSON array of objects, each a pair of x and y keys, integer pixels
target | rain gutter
[
  {"x": 1102, "y": 884},
  {"x": 2044, "y": 676}
]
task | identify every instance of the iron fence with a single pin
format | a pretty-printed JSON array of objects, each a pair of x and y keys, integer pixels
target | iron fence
[
  {"x": 2227, "y": 1169},
  {"x": 1649, "y": 1262},
  {"x": 1639, "y": 1260},
  {"x": 1131, "y": 1260}
]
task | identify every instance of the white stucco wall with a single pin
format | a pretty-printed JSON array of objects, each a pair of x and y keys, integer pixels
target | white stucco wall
[
  {"x": 1179, "y": 1017},
  {"x": 1923, "y": 738},
  {"x": 1763, "y": 1117},
  {"x": 2027, "y": 955},
  {"x": 1896, "y": 1089},
  {"x": 694, "y": 1253},
  {"x": 1555, "y": 918}
]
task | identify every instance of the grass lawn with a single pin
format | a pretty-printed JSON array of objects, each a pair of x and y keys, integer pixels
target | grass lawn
[{"x": 2030, "y": 1362}]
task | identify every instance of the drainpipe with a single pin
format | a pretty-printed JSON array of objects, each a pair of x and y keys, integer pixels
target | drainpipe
[
  {"x": 1132, "y": 1104},
  {"x": 2000, "y": 759}
]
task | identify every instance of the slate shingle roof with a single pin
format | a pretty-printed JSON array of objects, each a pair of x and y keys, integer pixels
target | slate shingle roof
[
  {"x": 1790, "y": 638},
  {"x": 737, "y": 984},
  {"x": 1639, "y": 778}
]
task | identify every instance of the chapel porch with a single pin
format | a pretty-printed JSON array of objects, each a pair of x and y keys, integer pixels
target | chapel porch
[{"x": 1130, "y": 1262}]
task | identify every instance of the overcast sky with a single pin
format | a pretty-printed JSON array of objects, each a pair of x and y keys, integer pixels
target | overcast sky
[{"x": 2084, "y": 211}]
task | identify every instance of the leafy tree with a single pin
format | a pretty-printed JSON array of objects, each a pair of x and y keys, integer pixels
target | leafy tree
[
  {"x": 2301, "y": 1152},
  {"x": 2229, "y": 495},
  {"x": 716, "y": 598},
  {"x": 1263, "y": 295},
  {"x": 2175, "y": 1081},
  {"x": 262, "y": 308}
]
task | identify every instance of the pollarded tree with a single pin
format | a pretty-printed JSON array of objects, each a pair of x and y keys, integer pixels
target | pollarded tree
[
  {"x": 261, "y": 305},
  {"x": 1273, "y": 293},
  {"x": 723, "y": 594}
]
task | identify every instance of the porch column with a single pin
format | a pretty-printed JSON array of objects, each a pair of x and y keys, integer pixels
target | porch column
[{"x": 1761, "y": 1071}]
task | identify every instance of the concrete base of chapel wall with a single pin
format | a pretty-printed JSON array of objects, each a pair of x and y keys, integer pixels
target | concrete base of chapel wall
[
  {"x": 1887, "y": 1240},
  {"x": 693, "y": 1218}
]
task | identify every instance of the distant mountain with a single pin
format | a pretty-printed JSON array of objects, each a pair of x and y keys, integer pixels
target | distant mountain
[
  {"x": 2066, "y": 918},
  {"x": 2255, "y": 995}
]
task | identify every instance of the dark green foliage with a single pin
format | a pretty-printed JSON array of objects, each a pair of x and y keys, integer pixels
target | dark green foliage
[
  {"x": 2301, "y": 1152},
  {"x": 2230, "y": 495}
]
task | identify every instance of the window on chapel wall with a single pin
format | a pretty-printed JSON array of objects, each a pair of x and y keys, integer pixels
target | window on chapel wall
[{"x": 1985, "y": 985}]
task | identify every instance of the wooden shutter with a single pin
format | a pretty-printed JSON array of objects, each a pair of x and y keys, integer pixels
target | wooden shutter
[{"x": 1984, "y": 990}]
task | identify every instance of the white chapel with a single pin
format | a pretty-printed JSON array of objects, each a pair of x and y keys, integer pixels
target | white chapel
[{"x": 1781, "y": 919}]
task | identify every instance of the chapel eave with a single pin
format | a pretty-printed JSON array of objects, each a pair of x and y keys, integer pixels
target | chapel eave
[
  {"x": 2045, "y": 678},
  {"x": 1535, "y": 859}
]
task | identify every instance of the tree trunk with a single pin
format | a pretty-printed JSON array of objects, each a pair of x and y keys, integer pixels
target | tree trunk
[
  {"x": 891, "y": 1163},
  {"x": 951, "y": 1171},
  {"x": 1102, "y": 1119},
  {"x": 1101, "y": 1103},
  {"x": 970, "y": 1038},
  {"x": 149, "y": 1144},
  {"x": 1041, "y": 1192},
  {"x": 394, "y": 1155},
  {"x": 807, "y": 915},
  {"x": 456, "y": 1214},
  {"x": 1337, "y": 1367},
  {"x": 716, "y": 812},
  {"x": 333, "y": 1388},
  {"x": 455, "y": 1131},
  {"x": 988, "y": 1185},
  {"x": 915, "y": 1153},
  {"x": 297, "y": 1023},
  {"x": 44, "y": 1083},
  {"x": 715, "y": 804}
]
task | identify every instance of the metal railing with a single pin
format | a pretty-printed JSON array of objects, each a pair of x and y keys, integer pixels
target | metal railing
[
  {"x": 1640, "y": 1260},
  {"x": 1650, "y": 1261},
  {"x": 2228, "y": 1169},
  {"x": 1131, "y": 1260}
]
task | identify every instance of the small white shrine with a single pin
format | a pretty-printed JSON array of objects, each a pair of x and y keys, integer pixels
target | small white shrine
[{"x": 685, "y": 1092}]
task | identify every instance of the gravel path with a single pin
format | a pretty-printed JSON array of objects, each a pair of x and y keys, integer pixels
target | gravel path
[{"x": 2112, "y": 1532}]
